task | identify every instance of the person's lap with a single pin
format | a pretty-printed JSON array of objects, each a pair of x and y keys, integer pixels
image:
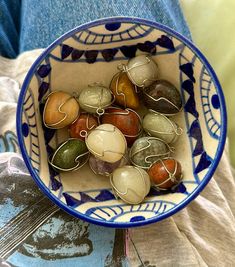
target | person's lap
[{"x": 43, "y": 21}]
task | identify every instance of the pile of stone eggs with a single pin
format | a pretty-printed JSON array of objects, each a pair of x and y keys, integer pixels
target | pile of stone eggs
[{"x": 106, "y": 130}]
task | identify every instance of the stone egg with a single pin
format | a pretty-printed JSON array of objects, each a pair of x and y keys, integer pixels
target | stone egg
[
  {"x": 165, "y": 173},
  {"x": 124, "y": 91},
  {"x": 70, "y": 155},
  {"x": 105, "y": 168},
  {"x": 158, "y": 125},
  {"x": 107, "y": 143},
  {"x": 142, "y": 70},
  {"x": 131, "y": 184},
  {"x": 95, "y": 98},
  {"x": 83, "y": 124},
  {"x": 163, "y": 97},
  {"x": 126, "y": 120},
  {"x": 61, "y": 109},
  {"x": 147, "y": 150}
]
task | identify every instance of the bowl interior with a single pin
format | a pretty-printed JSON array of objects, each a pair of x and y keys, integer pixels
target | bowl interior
[{"x": 91, "y": 53}]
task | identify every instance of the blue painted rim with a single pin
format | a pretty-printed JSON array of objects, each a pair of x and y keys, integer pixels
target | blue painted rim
[{"x": 161, "y": 27}]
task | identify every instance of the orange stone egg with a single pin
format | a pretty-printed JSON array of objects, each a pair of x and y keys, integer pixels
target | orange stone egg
[
  {"x": 83, "y": 124},
  {"x": 61, "y": 109},
  {"x": 124, "y": 91},
  {"x": 126, "y": 120},
  {"x": 165, "y": 173}
]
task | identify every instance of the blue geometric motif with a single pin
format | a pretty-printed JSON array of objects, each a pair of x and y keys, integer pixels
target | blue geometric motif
[
  {"x": 89, "y": 37},
  {"x": 213, "y": 126},
  {"x": 194, "y": 130},
  {"x": 70, "y": 54},
  {"x": 30, "y": 129}
]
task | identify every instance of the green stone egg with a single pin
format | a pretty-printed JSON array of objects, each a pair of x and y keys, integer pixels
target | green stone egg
[
  {"x": 70, "y": 155},
  {"x": 147, "y": 150}
]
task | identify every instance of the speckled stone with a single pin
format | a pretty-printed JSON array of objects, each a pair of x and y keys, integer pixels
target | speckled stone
[
  {"x": 65, "y": 156},
  {"x": 161, "y": 171},
  {"x": 159, "y": 97},
  {"x": 131, "y": 184},
  {"x": 147, "y": 150}
]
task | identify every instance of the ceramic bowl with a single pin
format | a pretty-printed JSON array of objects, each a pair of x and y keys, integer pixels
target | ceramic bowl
[{"x": 91, "y": 53}]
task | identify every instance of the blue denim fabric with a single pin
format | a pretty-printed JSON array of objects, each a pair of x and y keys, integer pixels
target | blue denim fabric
[
  {"x": 41, "y": 22},
  {"x": 9, "y": 27}
]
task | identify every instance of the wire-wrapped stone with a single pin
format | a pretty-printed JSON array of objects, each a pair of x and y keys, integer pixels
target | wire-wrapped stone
[
  {"x": 95, "y": 98},
  {"x": 126, "y": 120},
  {"x": 158, "y": 125},
  {"x": 142, "y": 70},
  {"x": 130, "y": 183},
  {"x": 70, "y": 155},
  {"x": 107, "y": 143},
  {"x": 124, "y": 91},
  {"x": 146, "y": 150},
  {"x": 84, "y": 123},
  {"x": 163, "y": 97},
  {"x": 165, "y": 173},
  {"x": 61, "y": 109}
]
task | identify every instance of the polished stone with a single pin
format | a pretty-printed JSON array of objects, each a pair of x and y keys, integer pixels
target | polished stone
[
  {"x": 147, "y": 150},
  {"x": 94, "y": 99},
  {"x": 107, "y": 143},
  {"x": 142, "y": 70},
  {"x": 166, "y": 173},
  {"x": 126, "y": 120},
  {"x": 61, "y": 109},
  {"x": 69, "y": 155},
  {"x": 124, "y": 91},
  {"x": 83, "y": 124},
  {"x": 163, "y": 97},
  {"x": 158, "y": 125},
  {"x": 104, "y": 168},
  {"x": 131, "y": 184}
]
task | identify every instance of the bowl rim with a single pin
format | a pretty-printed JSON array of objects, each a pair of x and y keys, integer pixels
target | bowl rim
[{"x": 36, "y": 177}]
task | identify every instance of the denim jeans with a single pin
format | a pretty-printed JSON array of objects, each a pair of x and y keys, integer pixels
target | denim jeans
[{"x": 30, "y": 24}]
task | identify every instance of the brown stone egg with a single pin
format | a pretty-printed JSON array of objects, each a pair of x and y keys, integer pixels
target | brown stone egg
[{"x": 165, "y": 173}]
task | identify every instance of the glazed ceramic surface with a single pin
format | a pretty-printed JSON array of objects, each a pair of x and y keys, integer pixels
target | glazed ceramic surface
[{"x": 91, "y": 53}]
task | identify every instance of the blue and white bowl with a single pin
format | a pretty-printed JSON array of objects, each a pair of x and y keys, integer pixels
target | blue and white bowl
[{"x": 90, "y": 53}]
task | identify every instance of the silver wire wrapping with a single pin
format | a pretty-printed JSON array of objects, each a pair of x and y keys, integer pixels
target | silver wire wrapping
[
  {"x": 171, "y": 175},
  {"x": 52, "y": 126},
  {"x": 124, "y": 68},
  {"x": 118, "y": 194},
  {"x": 128, "y": 110},
  {"x": 166, "y": 100},
  {"x": 100, "y": 155},
  {"x": 176, "y": 129},
  {"x": 116, "y": 87},
  {"x": 80, "y": 160},
  {"x": 83, "y": 133},
  {"x": 100, "y": 108},
  {"x": 149, "y": 159}
]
